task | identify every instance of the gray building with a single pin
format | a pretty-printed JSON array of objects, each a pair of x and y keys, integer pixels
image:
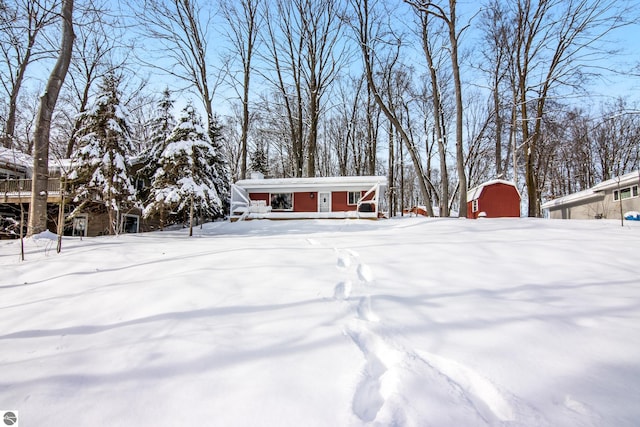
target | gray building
[{"x": 610, "y": 199}]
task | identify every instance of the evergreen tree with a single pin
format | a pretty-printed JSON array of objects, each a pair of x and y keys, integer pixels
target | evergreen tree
[
  {"x": 259, "y": 161},
  {"x": 221, "y": 174},
  {"x": 186, "y": 177},
  {"x": 162, "y": 125},
  {"x": 101, "y": 159}
]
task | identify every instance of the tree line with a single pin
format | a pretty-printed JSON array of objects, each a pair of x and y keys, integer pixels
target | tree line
[{"x": 438, "y": 95}]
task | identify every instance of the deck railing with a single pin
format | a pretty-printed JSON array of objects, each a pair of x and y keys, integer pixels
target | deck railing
[{"x": 22, "y": 187}]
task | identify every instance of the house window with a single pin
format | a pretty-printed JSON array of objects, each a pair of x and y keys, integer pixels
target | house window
[
  {"x": 130, "y": 223},
  {"x": 353, "y": 197},
  {"x": 281, "y": 201},
  {"x": 474, "y": 205},
  {"x": 79, "y": 225},
  {"x": 625, "y": 193}
]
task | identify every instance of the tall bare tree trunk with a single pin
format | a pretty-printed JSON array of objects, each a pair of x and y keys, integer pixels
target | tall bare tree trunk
[
  {"x": 457, "y": 83},
  {"x": 38, "y": 205},
  {"x": 438, "y": 119},
  {"x": 244, "y": 22},
  {"x": 366, "y": 38}
]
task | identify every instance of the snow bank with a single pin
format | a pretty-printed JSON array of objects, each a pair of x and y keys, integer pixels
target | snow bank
[{"x": 405, "y": 322}]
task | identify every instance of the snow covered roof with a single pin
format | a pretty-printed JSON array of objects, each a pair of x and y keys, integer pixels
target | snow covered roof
[
  {"x": 626, "y": 179},
  {"x": 595, "y": 191},
  {"x": 475, "y": 192},
  {"x": 312, "y": 184},
  {"x": 14, "y": 159},
  {"x": 571, "y": 198},
  {"x": 22, "y": 162}
]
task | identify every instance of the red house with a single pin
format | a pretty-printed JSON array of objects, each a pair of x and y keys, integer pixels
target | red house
[
  {"x": 493, "y": 199},
  {"x": 321, "y": 197}
]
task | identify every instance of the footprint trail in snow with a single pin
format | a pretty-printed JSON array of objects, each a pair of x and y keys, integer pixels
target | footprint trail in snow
[{"x": 405, "y": 386}]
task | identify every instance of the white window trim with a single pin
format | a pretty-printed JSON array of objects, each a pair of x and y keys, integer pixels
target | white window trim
[
  {"x": 124, "y": 216},
  {"x": 84, "y": 217},
  {"x": 631, "y": 188},
  {"x": 355, "y": 202},
  {"x": 474, "y": 205},
  {"x": 282, "y": 210}
]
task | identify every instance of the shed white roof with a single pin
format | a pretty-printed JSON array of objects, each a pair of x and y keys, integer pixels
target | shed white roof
[
  {"x": 475, "y": 192},
  {"x": 312, "y": 184}
]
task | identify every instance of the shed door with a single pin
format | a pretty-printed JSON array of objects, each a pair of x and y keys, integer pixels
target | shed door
[{"x": 324, "y": 202}]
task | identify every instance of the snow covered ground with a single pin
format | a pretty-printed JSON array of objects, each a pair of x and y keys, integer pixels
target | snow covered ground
[{"x": 404, "y": 322}]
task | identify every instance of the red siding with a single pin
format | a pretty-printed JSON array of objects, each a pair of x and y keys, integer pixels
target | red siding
[
  {"x": 305, "y": 202},
  {"x": 339, "y": 202},
  {"x": 259, "y": 196},
  {"x": 308, "y": 201},
  {"x": 497, "y": 200}
]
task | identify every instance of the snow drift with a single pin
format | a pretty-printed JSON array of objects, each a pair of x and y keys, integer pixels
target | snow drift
[{"x": 406, "y": 322}]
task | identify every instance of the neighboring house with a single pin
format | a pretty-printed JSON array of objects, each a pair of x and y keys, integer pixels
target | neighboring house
[
  {"x": 494, "y": 199},
  {"x": 14, "y": 165},
  {"x": 288, "y": 198},
  {"x": 15, "y": 193},
  {"x": 609, "y": 199}
]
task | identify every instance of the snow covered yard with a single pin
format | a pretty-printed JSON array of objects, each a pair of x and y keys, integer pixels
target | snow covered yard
[{"x": 405, "y": 322}]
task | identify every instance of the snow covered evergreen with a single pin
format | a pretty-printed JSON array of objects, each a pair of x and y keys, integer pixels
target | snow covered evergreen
[
  {"x": 102, "y": 170},
  {"x": 186, "y": 177},
  {"x": 259, "y": 160},
  {"x": 220, "y": 173},
  {"x": 161, "y": 127}
]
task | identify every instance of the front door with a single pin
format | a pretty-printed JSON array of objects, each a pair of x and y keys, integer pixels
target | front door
[{"x": 324, "y": 202}]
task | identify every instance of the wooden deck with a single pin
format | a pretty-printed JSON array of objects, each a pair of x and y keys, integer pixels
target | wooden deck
[{"x": 19, "y": 191}]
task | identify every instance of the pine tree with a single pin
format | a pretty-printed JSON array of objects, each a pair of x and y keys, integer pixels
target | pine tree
[
  {"x": 162, "y": 125},
  {"x": 259, "y": 161},
  {"x": 186, "y": 177},
  {"x": 102, "y": 167},
  {"x": 220, "y": 166}
]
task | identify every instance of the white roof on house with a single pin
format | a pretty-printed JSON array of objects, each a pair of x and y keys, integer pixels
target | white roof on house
[
  {"x": 312, "y": 184},
  {"x": 16, "y": 158},
  {"x": 475, "y": 192},
  {"x": 623, "y": 180},
  {"x": 595, "y": 191},
  {"x": 25, "y": 161},
  {"x": 571, "y": 198}
]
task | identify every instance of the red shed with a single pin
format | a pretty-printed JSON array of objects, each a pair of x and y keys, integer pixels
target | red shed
[{"x": 493, "y": 199}]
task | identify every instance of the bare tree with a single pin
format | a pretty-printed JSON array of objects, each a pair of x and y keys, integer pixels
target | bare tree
[
  {"x": 496, "y": 63},
  {"x": 304, "y": 51},
  {"x": 554, "y": 42},
  {"x": 284, "y": 44},
  {"x": 369, "y": 36},
  {"x": 180, "y": 28},
  {"x": 244, "y": 21},
  {"x": 95, "y": 56},
  {"x": 38, "y": 205},
  {"x": 439, "y": 123},
  {"x": 25, "y": 21},
  {"x": 449, "y": 17}
]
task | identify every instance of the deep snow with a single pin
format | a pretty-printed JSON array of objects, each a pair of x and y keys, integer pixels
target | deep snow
[{"x": 406, "y": 322}]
